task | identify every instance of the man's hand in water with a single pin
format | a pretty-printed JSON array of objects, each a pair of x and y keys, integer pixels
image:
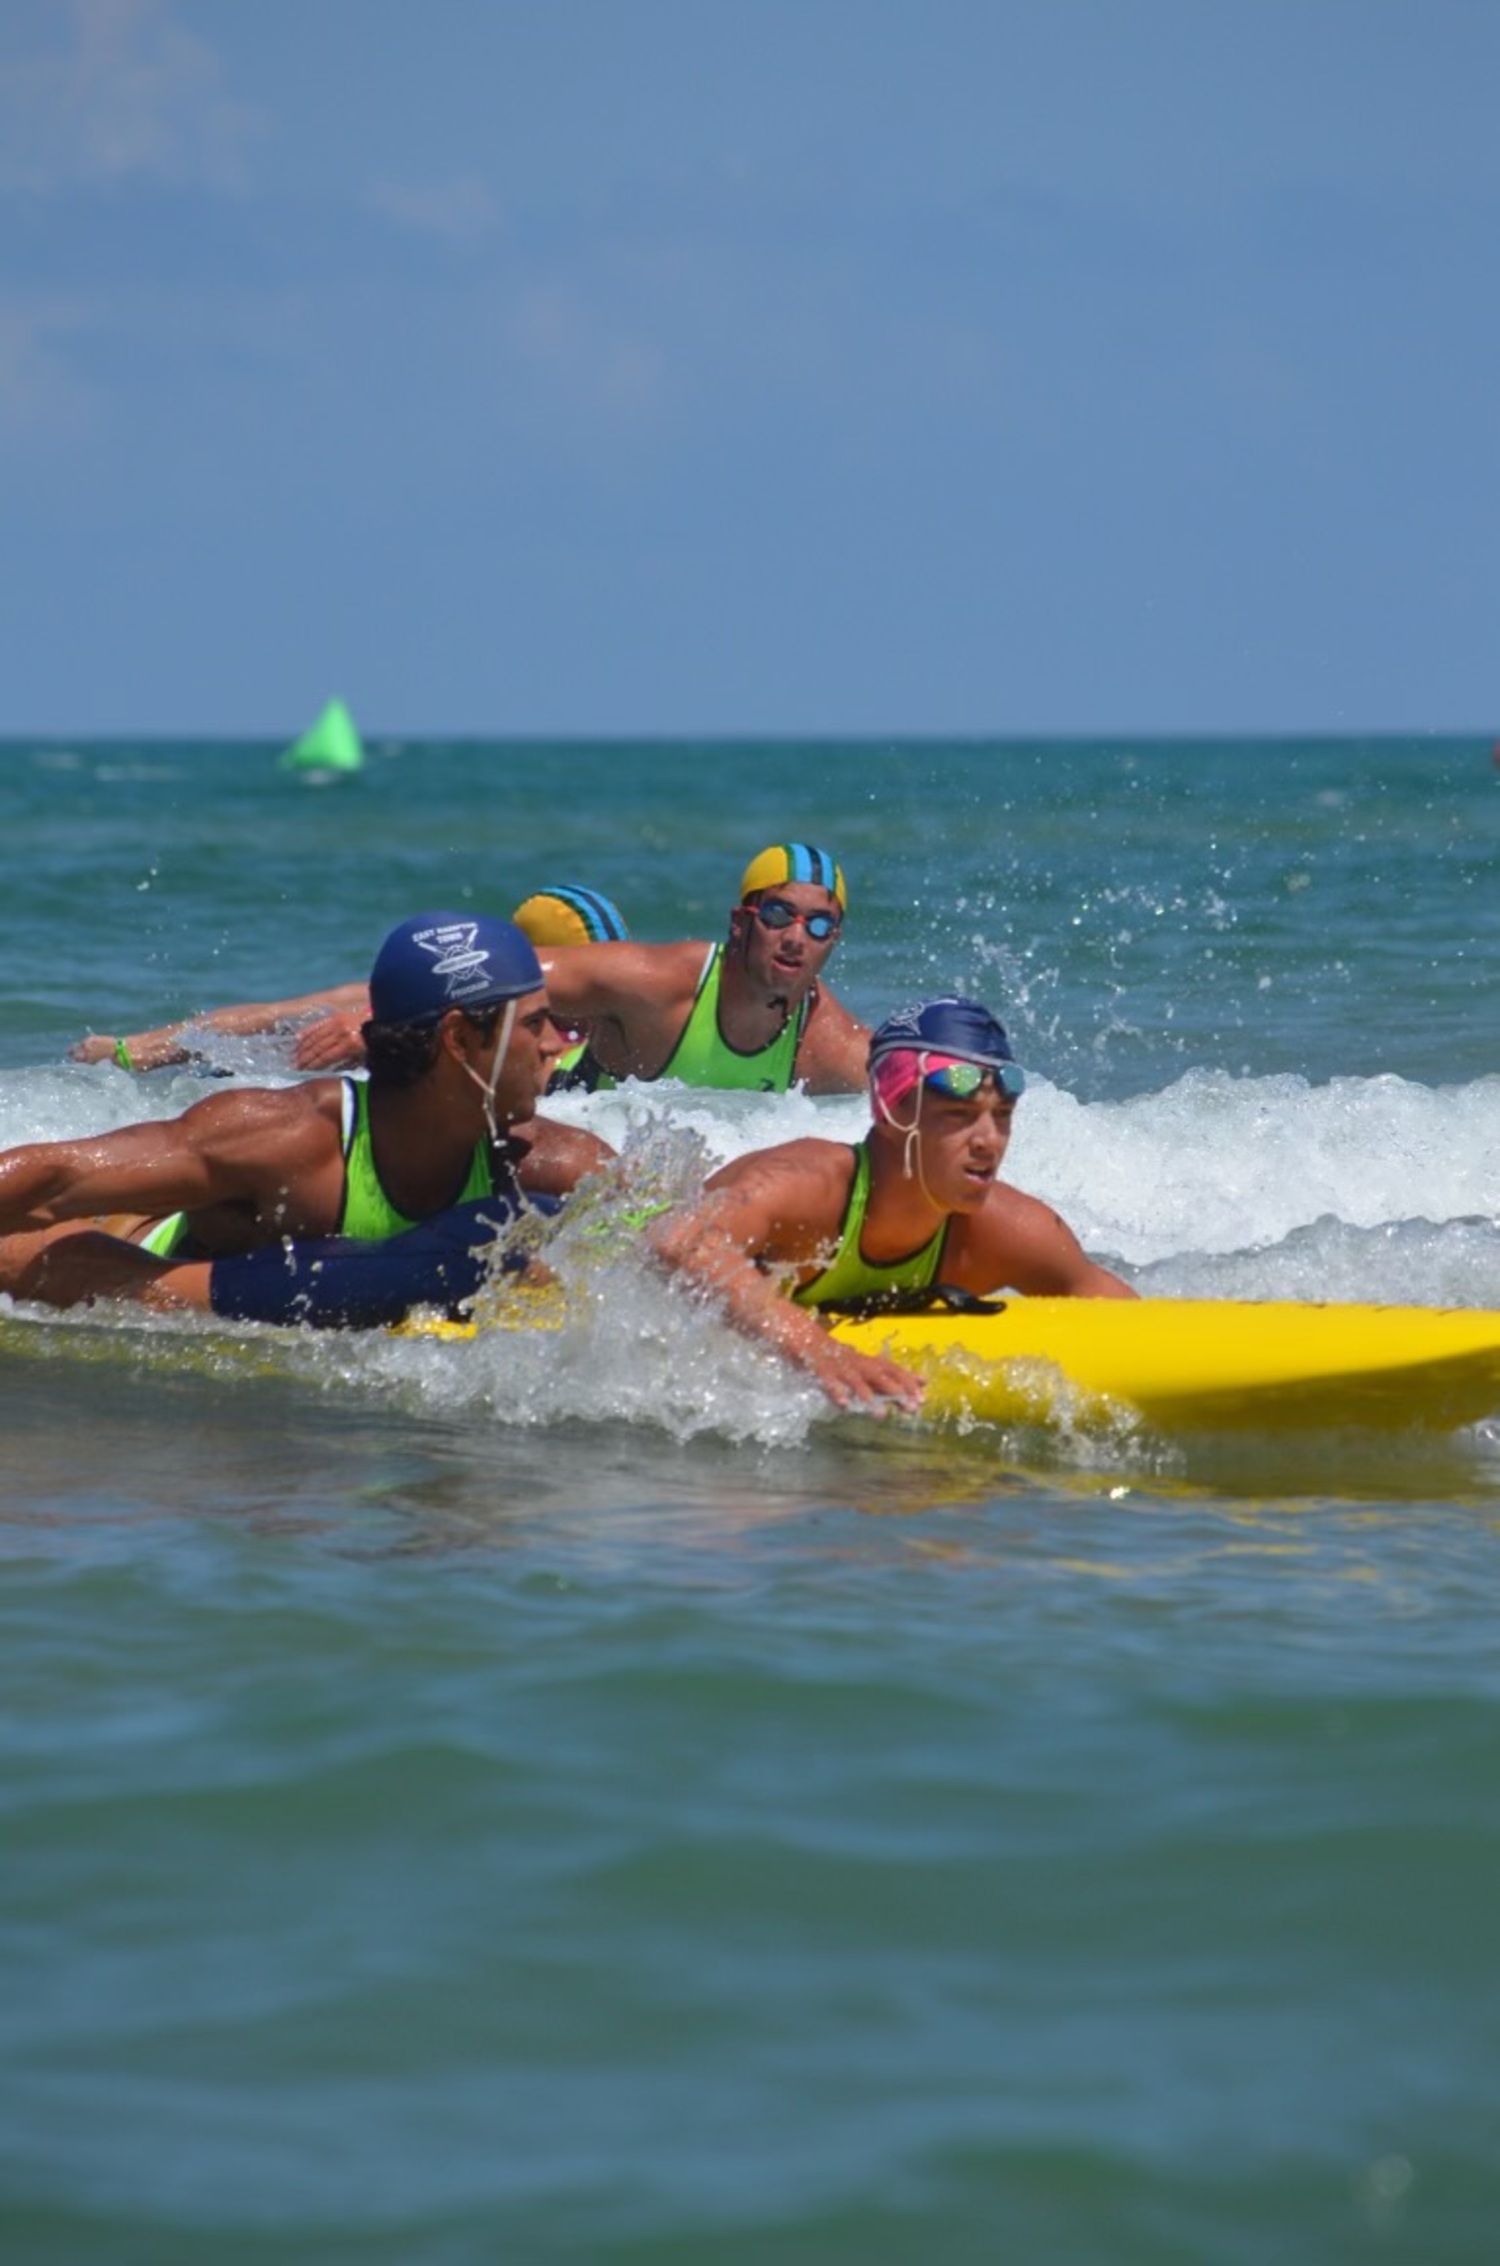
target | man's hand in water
[{"x": 332, "y": 1043}]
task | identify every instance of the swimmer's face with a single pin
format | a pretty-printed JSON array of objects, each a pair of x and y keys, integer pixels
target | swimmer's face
[
  {"x": 963, "y": 1144},
  {"x": 536, "y": 1041},
  {"x": 534, "y": 1045},
  {"x": 775, "y": 943}
]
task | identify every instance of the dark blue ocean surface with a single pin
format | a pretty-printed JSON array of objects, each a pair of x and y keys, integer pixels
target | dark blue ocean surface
[{"x": 1134, "y": 910}]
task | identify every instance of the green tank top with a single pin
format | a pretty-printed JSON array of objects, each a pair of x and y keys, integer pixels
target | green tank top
[
  {"x": 165, "y": 1238},
  {"x": 578, "y": 1072},
  {"x": 850, "y": 1275},
  {"x": 368, "y": 1215},
  {"x": 703, "y": 1057}
]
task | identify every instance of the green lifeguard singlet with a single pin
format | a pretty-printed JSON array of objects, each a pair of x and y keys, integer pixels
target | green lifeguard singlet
[
  {"x": 367, "y": 1214},
  {"x": 704, "y": 1057},
  {"x": 165, "y": 1238},
  {"x": 849, "y": 1274}
]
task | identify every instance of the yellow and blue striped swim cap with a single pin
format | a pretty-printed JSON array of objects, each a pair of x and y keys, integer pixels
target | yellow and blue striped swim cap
[
  {"x": 570, "y": 915},
  {"x": 793, "y": 861}
]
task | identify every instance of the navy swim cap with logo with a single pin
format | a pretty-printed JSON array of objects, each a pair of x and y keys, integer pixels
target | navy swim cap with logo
[
  {"x": 959, "y": 1028},
  {"x": 442, "y": 960}
]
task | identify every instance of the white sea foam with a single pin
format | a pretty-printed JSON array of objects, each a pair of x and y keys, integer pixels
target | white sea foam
[
  {"x": 1230, "y": 1183},
  {"x": 1362, "y": 1189},
  {"x": 1210, "y": 1173}
]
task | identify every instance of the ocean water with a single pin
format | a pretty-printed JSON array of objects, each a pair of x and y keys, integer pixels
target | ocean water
[{"x": 571, "y": 1795}]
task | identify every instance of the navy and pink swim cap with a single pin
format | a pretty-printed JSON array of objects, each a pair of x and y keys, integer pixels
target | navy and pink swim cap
[{"x": 917, "y": 1040}]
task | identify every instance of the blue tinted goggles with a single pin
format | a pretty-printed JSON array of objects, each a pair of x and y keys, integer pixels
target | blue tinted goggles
[
  {"x": 775, "y": 912},
  {"x": 961, "y": 1081}
]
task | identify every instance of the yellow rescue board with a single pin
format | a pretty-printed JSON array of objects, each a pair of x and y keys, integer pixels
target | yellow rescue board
[
  {"x": 1194, "y": 1363},
  {"x": 1203, "y": 1362}
]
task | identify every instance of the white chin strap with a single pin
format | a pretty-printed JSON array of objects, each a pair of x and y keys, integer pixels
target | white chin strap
[
  {"x": 487, "y": 1085},
  {"x": 911, "y": 1160}
]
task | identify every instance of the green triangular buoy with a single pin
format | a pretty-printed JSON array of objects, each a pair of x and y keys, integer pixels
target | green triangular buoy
[{"x": 331, "y": 744}]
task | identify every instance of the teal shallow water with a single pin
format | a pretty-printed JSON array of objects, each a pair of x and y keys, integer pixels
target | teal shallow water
[
  {"x": 744, "y": 1870},
  {"x": 579, "y": 1802}
]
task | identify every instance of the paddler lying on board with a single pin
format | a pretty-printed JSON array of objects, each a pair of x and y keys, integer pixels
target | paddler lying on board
[
  {"x": 784, "y": 1231},
  {"x": 565, "y": 913},
  {"x": 750, "y": 1013},
  {"x": 215, "y": 1208}
]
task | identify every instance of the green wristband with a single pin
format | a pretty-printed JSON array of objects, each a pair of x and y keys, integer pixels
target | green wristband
[{"x": 122, "y": 1055}]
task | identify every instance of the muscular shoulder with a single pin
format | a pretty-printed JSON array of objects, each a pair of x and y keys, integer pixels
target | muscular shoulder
[
  {"x": 597, "y": 979},
  {"x": 273, "y": 1118},
  {"x": 784, "y": 1202},
  {"x": 1020, "y": 1243}
]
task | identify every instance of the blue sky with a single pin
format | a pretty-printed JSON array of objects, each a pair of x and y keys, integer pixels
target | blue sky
[{"x": 631, "y": 366}]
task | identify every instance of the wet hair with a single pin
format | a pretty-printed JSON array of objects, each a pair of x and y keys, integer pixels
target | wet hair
[{"x": 400, "y": 1055}]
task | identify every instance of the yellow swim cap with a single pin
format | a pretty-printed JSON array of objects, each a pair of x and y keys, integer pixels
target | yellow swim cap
[
  {"x": 793, "y": 861},
  {"x": 569, "y": 915}
]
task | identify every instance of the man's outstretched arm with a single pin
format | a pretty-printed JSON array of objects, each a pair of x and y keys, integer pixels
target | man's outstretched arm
[
  {"x": 714, "y": 1244},
  {"x": 173, "y": 1042}
]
